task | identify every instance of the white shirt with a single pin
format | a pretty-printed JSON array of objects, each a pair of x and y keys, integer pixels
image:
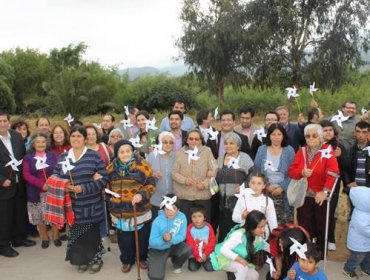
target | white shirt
[{"x": 7, "y": 142}]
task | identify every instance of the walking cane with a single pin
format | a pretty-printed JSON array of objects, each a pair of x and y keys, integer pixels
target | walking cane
[
  {"x": 136, "y": 243},
  {"x": 336, "y": 176},
  {"x": 106, "y": 220}
]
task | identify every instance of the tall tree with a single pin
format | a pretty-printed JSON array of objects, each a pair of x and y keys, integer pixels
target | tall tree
[
  {"x": 7, "y": 77},
  {"x": 69, "y": 57}
]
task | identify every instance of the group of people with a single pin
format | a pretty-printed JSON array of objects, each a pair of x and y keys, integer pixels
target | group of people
[{"x": 214, "y": 198}]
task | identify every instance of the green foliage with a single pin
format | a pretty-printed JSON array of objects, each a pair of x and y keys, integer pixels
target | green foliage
[
  {"x": 7, "y": 77},
  {"x": 69, "y": 57}
]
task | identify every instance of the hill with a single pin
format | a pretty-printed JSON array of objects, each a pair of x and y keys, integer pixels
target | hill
[{"x": 136, "y": 72}]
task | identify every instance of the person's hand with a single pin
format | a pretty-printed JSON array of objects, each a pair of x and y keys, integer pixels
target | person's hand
[
  {"x": 320, "y": 198},
  {"x": 237, "y": 189},
  {"x": 167, "y": 236},
  {"x": 300, "y": 119},
  {"x": 291, "y": 274},
  {"x": 45, "y": 187},
  {"x": 242, "y": 261},
  {"x": 200, "y": 185},
  {"x": 137, "y": 198},
  {"x": 352, "y": 185},
  {"x": 97, "y": 176},
  {"x": 7, "y": 183},
  {"x": 277, "y": 191},
  {"x": 245, "y": 214},
  {"x": 158, "y": 174},
  {"x": 307, "y": 172},
  {"x": 337, "y": 151},
  {"x": 189, "y": 181}
]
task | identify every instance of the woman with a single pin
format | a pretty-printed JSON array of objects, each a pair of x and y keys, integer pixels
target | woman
[
  {"x": 35, "y": 175},
  {"x": 229, "y": 178},
  {"x": 162, "y": 168},
  {"x": 43, "y": 125},
  {"x": 23, "y": 129},
  {"x": 59, "y": 140},
  {"x": 87, "y": 179},
  {"x": 316, "y": 167},
  {"x": 147, "y": 136},
  {"x": 93, "y": 144},
  {"x": 132, "y": 178},
  {"x": 114, "y": 136},
  {"x": 191, "y": 174},
  {"x": 274, "y": 159}
]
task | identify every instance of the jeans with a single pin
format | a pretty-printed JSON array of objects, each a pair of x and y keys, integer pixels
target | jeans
[
  {"x": 194, "y": 265},
  {"x": 356, "y": 259}
]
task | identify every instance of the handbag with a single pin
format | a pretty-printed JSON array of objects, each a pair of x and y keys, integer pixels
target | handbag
[{"x": 297, "y": 188}]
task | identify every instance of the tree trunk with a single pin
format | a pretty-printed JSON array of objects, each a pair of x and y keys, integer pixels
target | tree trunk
[{"x": 220, "y": 90}]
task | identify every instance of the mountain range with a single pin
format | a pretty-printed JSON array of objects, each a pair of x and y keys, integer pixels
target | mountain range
[{"x": 136, "y": 72}]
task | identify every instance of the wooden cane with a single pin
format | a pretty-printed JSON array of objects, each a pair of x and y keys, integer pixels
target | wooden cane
[{"x": 136, "y": 243}]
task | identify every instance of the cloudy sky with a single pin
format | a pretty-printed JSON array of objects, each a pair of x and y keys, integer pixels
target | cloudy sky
[{"x": 127, "y": 33}]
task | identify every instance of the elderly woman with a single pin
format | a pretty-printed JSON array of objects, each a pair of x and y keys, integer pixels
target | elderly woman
[
  {"x": 35, "y": 176},
  {"x": 232, "y": 171},
  {"x": 147, "y": 136},
  {"x": 162, "y": 168},
  {"x": 274, "y": 159},
  {"x": 132, "y": 178},
  {"x": 86, "y": 181},
  {"x": 114, "y": 136},
  {"x": 24, "y": 130},
  {"x": 316, "y": 166},
  {"x": 193, "y": 167},
  {"x": 59, "y": 140}
]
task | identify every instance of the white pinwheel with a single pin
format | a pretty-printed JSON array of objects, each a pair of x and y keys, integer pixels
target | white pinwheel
[
  {"x": 150, "y": 124},
  {"x": 192, "y": 154},
  {"x": 233, "y": 163},
  {"x": 136, "y": 142},
  {"x": 326, "y": 153},
  {"x": 14, "y": 163},
  {"x": 157, "y": 149},
  {"x": 313, "y": 89},
  {"x": 69, "y": 119},
  {"x": 339, "y": 118},
  {"x": 292, "y": 92},
  {"x": 271, "y": 264},
  {"x": 243, "y": 191},
  {"x": 41, "y": 163},
  {"x": 260, "y": 133},
  {"x": 168, "y": 202},
  {"x": 126, "y": 123},
  {"x": 126, "y": 110},
  {"x": 367, "y": 149},
  {"x": 298, "y": 248},
  {"x": 66, "y": 165},
  {"x": 269, "y": 166},
  {"x": 212, "y": 133},
  {"x": 215, "y": 115},
  {"x": 364, "y": 111}
]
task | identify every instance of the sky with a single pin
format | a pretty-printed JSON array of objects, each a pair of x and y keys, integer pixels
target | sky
[{"x": 123, "y": 33}]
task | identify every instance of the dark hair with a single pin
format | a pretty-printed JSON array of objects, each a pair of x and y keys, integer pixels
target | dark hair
[
  {"x": 144, "y": 113},
  {"x": 180, "y": 101},
  {"x": 313, "y": 251},
  {"x": 227, "y": 112},
  {"x": 96, "y": 132},
  {"x": 362, "y": 125},
  {"x": 177, "y": 202},
  {"x": 20, "y": 123},
  {"x": 349, "y": 101},
  {"x": 246, "y": 110},
  {"x": 200, "y": 136},
  {"x": 251, "y": 222},
  {"x": 272, "y": 113},
  {"x": 326, "y": 123},
  {"x": 33, "y": 138},
  {"x": 80, "y": 129},
  {"x": 4, "y": 112},
  {"x": 112, "y": 117},
  {"x": 313, "y": 112},
  {"x": 202, "y": 115},
  {"x": 52, "y": 140},
  {"x": 131, "y": 110},
  {"x": 77, "y": 122},
  {"x": 271, "y": 129},
  {"x": 37, "y": 122},
  {"x": 198, "y": 208},
  {"x": 176, "y": 112},
  {"x": 259, "y": 175}
]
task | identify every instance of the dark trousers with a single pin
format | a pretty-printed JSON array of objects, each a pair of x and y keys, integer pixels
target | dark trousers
[
  {"x": 225, "y": 224},
  {"x": 186, "y": 205},
  {"x": 356, "y": 259},
  {"x": 126, "y": 243},
  {"x": 333, "y": 207},
  {"x": 215, "y": 211},
  {"x": 157, "y": 259},
  {"x": 312, "y": 217},
  {"x": 194, "y": 265},
  {"x": 13, "y": 220}
]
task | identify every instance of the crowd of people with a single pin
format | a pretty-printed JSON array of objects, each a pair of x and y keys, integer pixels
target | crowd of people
[{"x": 217, "y": 199}]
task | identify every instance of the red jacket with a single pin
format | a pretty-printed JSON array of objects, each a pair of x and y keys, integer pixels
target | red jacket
[
  {"x": 320, "y": 178},
  {"x": 207, "y": 248}
]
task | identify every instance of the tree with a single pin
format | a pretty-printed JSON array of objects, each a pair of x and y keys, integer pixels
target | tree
[
  {"x": 6, "y": 81},
  {"x": 69, "y": 57}
]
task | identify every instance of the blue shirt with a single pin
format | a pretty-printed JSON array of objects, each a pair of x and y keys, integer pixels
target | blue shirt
[
  {"x": 300, "y": 275},
  {"x": 200, "y": 233}
]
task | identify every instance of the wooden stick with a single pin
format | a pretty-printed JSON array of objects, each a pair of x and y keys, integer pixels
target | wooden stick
[
  {"x": 70, "y": 177},
  {"x": 136, "y": 243}
]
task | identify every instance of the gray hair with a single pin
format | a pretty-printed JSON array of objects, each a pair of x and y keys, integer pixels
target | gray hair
[
  {"x": 33, "y": 140},
  {"x": 316, "y": 128},
  {"x": 165, "y": 134},
  {"x": 233, "y": 137},
  {"x": 115, "y": 130}
]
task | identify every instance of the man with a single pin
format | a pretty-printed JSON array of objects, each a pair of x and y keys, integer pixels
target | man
[
  {"x": 295, "y": 136},
  {"x": 107, "y": 125},
  {"x": 175, "y": 121},
  {"x": 130, "y": 132},
  {"x": 187, "y": 123},
  {"x": 246, "y": 125},
  {"x": 13, "y": 207},
  {"x": 204, "y": 120}
]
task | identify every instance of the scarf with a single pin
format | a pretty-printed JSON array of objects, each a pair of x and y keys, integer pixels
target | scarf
[{"x": 124, "y": 168}]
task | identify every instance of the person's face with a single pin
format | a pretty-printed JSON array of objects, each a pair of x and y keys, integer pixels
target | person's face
[
  {"x": 22, "y": 130},
  {"x": 167, "y": 144},
  {"x": 349, "y": 109},
  {"x": 91, "y": 138},
  {"x": 193, "y": 140},
  {"x": 197, "y": 219},
  {"x": 141, "y": 121},
  {"x": 175, "y": 122},
  {"x": 270, "y": 119},
  {"x": 283, "y": 116},
  {"x": 179, "y": 107},
  {"x": 276, "y": 137},
  {"x": 43, "y": 125},
  {"x": 227, "y": 123},
  {"x": 260, "y": 229},
  {"x": 208, "y": 121},
  {"x": 312, "y": 138},
  {"x": 132, "y": 117},
  {"x": 114, "y": 138},
  {"x": 257, "y": 185},
  {"x": 230, "y": 147},
  {"x": 77, "y": 140},
  {"x": 4, "y": 125},
  {"x": 39, "y": 144},
  {"x": 328, "y": 133},
  {"x": 361, "y": 135},
  {"x": 170, "y": 214},
  {"x": 246, "y": 120},
  {"x": 308, "y": 266},
  {"x": 107, "y": 122},
  {"x": 58, "y": 135},
  {"x": 125, "y": 153}
]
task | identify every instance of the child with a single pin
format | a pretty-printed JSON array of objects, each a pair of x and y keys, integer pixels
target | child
[
  {"x": 201, "y": 238},
  {"x": 167, "y": 239},
  {"x": 358, "y": 240},
  {"x": 256, "y": 201},
  {"x": 235, "y": 254},
  {"x": 308, "y": 268}
]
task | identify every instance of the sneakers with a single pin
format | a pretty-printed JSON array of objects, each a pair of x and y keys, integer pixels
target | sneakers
[
  {"x": 350, "y": 274},
  {"x": 177, "y": 270},
  {"x": 332, "y": 246}
]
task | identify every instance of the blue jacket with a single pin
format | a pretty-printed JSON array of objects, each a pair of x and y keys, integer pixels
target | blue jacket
[
  {"x": 358, "y": 238},
  {"x": 161, "y": 225}
]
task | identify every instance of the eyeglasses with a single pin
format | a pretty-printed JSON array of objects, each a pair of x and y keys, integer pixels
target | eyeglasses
[
  {"x": 350, "y": 108},
  {"x": 193, "y": 139},
  {"x": 309, "y": 136},
  {"x": 167, "y": 142}
]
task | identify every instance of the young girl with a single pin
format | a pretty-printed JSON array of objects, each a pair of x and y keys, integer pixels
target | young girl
[
  {"x": 235, "y": 254},
  {"x": 256, "y": 201}
]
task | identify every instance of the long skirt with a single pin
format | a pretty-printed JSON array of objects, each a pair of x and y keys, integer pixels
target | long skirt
[{"x": 84, "y": 246}]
